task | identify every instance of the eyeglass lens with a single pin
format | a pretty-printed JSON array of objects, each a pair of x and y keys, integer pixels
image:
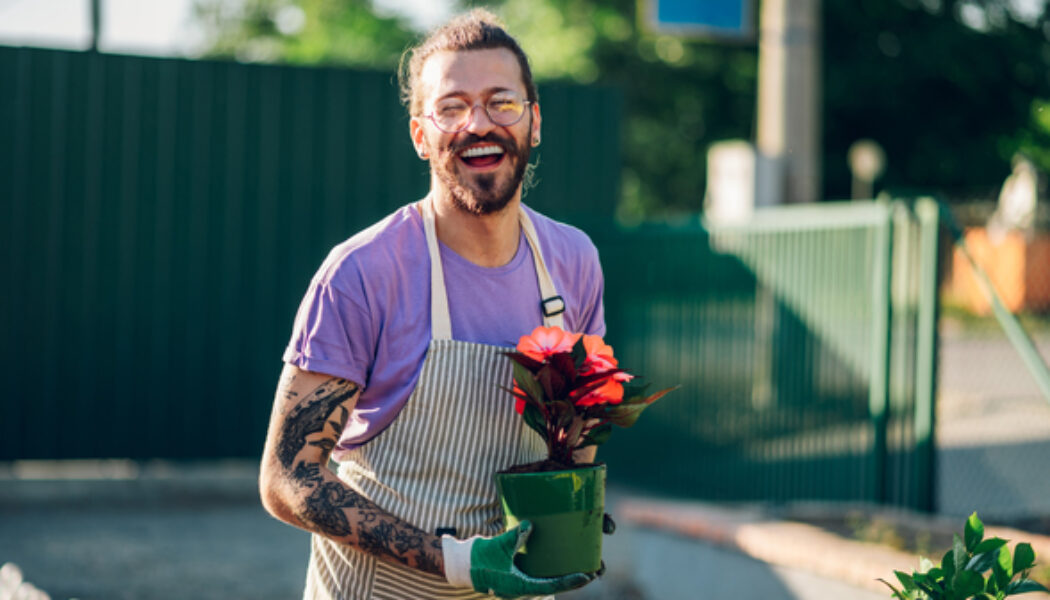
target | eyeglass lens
[{"x": 453, "y": 115}]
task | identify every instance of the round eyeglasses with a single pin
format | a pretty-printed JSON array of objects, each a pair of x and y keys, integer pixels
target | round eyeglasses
[{"x": 453, "y": 115}]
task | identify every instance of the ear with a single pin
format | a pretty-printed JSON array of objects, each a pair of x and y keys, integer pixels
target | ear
[
  {"x": 536, "y": 119},
  {"x": 415, "y": 128}
]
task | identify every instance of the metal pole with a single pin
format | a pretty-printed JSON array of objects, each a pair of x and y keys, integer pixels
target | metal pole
[
  {"x": 96, "y": 23},
  {"x": 789, "y": 127}
]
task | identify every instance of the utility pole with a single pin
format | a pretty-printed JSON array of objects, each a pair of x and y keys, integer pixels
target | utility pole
[
  {"x": 789, "y": 92},
  {"x": 96, "y": 23}
]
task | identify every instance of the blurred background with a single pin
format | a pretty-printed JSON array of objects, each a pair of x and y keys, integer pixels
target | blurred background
[{"x": 827, "y": 220}]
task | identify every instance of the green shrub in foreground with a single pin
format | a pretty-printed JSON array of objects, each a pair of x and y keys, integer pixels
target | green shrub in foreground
[{"x": 960, "y": 575}]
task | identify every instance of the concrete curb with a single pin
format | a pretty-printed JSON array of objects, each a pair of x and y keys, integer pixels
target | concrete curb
[
  {"x": 126, "y": 483},
  {"x": 765, "y": 537}
]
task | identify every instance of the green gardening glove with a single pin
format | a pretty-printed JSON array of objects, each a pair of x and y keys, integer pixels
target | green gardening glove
[{"x": 487, "y": 566}]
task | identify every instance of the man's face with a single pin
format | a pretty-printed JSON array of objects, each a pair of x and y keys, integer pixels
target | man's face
[{"x": 481, "y": 166}]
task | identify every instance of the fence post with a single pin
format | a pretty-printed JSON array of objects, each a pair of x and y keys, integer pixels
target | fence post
[
  {"x": 927, "y": 212},
  {"x": 878, "y": 398}
]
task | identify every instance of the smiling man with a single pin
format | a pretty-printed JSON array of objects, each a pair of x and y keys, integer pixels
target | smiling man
[{"x": 394, "y": 370}]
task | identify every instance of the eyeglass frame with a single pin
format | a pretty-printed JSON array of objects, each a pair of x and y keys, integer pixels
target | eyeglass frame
[{"x": 485, "y": 109}]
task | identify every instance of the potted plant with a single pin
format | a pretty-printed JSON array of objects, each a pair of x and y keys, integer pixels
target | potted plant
[
  {"x": 570, "y": 390},
  {"x": 960, "y": 575}
]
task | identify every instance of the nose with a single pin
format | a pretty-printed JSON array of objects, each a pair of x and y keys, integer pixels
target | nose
[{"x": 478, "y": 121}]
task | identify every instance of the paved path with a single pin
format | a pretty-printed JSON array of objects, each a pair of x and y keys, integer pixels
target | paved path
[
  {"x": 169, "y": 532},
  {"x": 993, "y": 429}
]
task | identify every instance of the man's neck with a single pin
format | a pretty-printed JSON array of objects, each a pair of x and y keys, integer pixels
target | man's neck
[{"x": 486, "y": 240}]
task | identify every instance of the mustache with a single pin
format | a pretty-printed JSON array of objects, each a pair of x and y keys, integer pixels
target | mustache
[{"x": 470, "y": 139}]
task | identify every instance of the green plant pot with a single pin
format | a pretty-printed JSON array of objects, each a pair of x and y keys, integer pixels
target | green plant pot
[{"x": 565, "y": 508}]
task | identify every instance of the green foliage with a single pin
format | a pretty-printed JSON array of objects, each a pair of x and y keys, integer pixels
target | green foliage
[
  {"x": 680, "y": 94},
  {"x": 961, "y": 573},
  {"x": 337, "y": 32},
  {"x": 952, "y": 89},
  {"x": 951, "y": 103}
]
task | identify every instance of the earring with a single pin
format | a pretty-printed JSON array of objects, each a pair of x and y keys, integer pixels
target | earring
[
  {"x": 535, "y": 141},
  {"x": 423, "y": 153}
]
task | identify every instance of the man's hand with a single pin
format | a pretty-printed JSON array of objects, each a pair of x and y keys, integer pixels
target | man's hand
[{"x": 487, "y": 565}]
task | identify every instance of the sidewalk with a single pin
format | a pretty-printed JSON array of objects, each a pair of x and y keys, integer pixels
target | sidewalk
[{"x": 120, "y": 530}]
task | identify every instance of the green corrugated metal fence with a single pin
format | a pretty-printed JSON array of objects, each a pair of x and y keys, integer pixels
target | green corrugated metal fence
[
  {"x": 803, "y": 341},
  {"x": 161, "y": 220}
]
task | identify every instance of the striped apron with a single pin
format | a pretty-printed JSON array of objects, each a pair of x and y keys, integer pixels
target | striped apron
[{"x": 433, "y": 466}]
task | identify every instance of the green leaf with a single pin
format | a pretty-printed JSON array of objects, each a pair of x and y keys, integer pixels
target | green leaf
[
  {"x": 1003, "y": 568},
  {"x": 906, "y": 580},
  {"x": 968, "y": 583},
  {"x": 646, "y": 400},
  {"x": 897, "y": 593},
  {"x": 959, "y": 554},
  {"x": 932, "y": 590},
  {"x": 597, "y": 436},
  {"x": 1024, "y": 586},
  {"x": 1024, "y": 557},
  {"x": 625, "y": 416},
  {"x": 534, "y": 419},
  {"x": 983, "y": 561},
  {"x": 973, "y": 531},
  {"x": 579, "y": 354},
  {"x": 527, "y": 382},
  {"x": 948, "y": 564},
  {"x": 989, "y": 544}
]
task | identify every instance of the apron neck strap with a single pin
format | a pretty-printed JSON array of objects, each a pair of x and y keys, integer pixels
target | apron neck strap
[{"x": 552, "y": 305}]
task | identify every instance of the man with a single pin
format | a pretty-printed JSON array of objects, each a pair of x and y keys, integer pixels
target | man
[{"x": 394, "y": 368}]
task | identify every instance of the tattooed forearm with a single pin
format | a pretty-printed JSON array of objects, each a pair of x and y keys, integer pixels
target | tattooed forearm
[
  {"x": 324, "y": 504},
  {"x": 310, "y": 416},
  {"x": 324, "y": 508},
  {"x": 377, "y": 532}
]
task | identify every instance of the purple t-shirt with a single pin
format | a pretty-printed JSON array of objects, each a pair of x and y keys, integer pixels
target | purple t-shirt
[{"x": 366, "y": 315}]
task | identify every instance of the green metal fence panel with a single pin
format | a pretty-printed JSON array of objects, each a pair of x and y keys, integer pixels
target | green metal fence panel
[
  {"x": 795, "y": 338},
  {"x": 162, "y": 218}
]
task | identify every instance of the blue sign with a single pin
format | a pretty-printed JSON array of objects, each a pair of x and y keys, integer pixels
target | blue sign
[{"x": 724, "y": 18}]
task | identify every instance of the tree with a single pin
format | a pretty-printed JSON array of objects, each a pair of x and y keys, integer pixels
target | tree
[
  {"x": 952, "y": 89},
  {"x": 679, "y": 94},
  {"x": 335, "y": 32}
]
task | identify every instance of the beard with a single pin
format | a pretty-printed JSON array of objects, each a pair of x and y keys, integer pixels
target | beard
[{"x": 486, "y": 193}]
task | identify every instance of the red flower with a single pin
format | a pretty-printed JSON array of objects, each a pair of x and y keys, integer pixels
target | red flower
[
  {"x": 610, "y": 392},
  {"x": 599, "y": 356},
  {"x": 545, "y": 341},
  {"x": 575, "y": 390},
  {"x": 519, "y": 404}
]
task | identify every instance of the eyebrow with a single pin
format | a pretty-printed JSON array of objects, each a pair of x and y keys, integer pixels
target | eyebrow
[{"x": 486, "y": 92}]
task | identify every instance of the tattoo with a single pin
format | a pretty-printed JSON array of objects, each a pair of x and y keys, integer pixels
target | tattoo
[
  {"x": 428, "y": 563},
  {"x": 325, "y": 504},
  {"x": 379, "y": 539},
  {"x": 308, "y": 475},
  {"x": 317, "y": 420},
  {"x": 310, "y": 417}
]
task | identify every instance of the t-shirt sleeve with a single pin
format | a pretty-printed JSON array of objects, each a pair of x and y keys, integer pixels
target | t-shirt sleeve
[
  {"x": 333, "y": 332},
  {"x": 592, "y": 309}
]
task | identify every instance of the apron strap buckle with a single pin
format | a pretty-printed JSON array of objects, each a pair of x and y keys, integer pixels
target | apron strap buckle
[{"x": 555, "y": 305}]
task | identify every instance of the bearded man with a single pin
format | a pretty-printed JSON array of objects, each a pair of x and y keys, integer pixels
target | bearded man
[{"x": 394, "y": 367}]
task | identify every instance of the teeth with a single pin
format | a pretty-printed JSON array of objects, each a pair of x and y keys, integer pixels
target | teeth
[{"x": 481, "y": 151}]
